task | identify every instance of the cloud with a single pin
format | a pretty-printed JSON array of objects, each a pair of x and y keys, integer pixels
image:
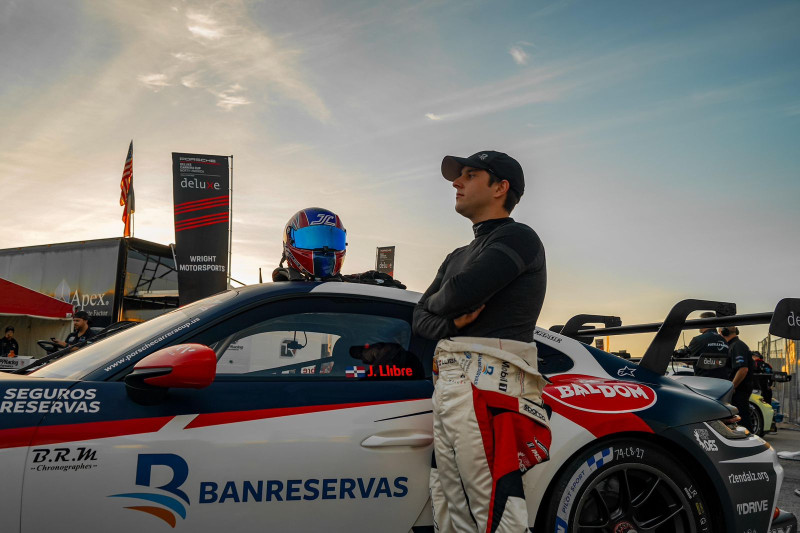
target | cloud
[
  {"x": 203, "y": 26},
  {"x": 432, "y": 116},
  {"x": 210, "y": 46},
  {"x": 519, "y": 55},
  {"x": 228, "y": 99},
  {"x": 154, "y": 81}
]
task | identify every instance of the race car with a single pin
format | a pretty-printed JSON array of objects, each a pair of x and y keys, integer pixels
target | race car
[
  {"x": 761, "y": 415},
  {"x": 296, "y": 406}
]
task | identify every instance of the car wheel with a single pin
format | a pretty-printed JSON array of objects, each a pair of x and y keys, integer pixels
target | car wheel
[
  {"x": 626, "y": 486},
  {"x": 756, "y": 420}
]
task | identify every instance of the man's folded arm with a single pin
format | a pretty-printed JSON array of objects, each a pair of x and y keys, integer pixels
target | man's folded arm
[
  {"x": 427, "y": 324},
  {"x": 497, "y": 266}
]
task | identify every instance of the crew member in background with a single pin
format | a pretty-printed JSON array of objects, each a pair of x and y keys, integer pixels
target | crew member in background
[
  {"x": 711, "y": 351},
  {"x": 8, "y": 344},
  {"x": 490, "y": 425},
  {"x": 741, "y": 373},
  {"x": 763, "y": 376},
  {"x": 80, "y": 333}
]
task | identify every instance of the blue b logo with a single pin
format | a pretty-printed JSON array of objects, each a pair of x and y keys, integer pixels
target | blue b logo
[{"x": 169, "y": 507}]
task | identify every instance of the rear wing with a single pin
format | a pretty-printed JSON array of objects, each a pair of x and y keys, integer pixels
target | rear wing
[{"x": 783, "y": 322}]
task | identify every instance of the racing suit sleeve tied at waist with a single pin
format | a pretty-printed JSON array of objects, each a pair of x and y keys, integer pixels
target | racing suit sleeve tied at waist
[
  {"x": 495, "y": 365},
  {"x": 489, "y": 428}
]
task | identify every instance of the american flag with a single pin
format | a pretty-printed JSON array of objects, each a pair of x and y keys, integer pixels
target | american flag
[
  {"x": 356, "y": 372},
  {"x": 126, "y": 197}
]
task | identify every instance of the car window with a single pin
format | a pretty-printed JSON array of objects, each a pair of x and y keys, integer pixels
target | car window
[
  {"x": 113, "y": 353},
  {"x": 316, "y": 344}
]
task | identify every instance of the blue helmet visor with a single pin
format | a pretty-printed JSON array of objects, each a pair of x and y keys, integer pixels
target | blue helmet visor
[{"x": 320, "y": 237}]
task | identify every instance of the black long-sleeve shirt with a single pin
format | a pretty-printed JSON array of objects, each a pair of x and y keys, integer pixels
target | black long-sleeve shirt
[{"x": 504, "y": 268}]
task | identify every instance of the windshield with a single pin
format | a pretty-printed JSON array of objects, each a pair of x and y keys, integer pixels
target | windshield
[{"x": 117, "y": 350}]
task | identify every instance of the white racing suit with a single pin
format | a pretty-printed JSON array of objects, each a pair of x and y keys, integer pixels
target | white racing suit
[{"x": 489, "y": 428}]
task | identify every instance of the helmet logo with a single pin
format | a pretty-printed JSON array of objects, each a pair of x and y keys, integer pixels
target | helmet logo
[
  {"x": 324, "y": 219},
  {"x": 482, "y": 157}
]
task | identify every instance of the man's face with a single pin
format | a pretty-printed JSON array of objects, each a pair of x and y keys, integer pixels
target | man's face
[
  {"x": 9, "y": 334},
  {"x": 78, "y": 323},
  {"x": 473, "y": 193}
]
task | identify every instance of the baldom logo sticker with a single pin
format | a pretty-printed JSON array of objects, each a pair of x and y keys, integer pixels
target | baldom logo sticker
[{"x": 594, "y": 395}]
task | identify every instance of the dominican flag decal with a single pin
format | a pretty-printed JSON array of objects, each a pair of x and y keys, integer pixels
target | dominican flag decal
[{"x": 356, "y": 372}]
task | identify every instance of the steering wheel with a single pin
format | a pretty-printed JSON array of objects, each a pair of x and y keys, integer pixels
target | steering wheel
[{"x": 48, "y": 346}]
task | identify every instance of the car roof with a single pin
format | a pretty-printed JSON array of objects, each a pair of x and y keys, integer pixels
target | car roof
[{"x": 279, "y": 288}]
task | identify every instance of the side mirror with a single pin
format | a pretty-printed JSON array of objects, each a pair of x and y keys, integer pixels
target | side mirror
[
  {"x": 185, "y": 366},
  {"x": 781, "y": 377}
]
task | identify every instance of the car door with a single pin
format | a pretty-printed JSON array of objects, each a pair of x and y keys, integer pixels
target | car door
[{"x": 292, "y": 434}]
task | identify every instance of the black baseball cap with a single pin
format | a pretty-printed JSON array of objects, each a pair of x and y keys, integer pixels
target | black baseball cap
[
  {"x": 501, "y": 165},
  {"x": 81, "y": 314},
  {"x": 10, "y": 328}
]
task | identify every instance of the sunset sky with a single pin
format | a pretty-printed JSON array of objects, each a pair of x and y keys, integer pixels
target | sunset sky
[{"x": 660, "y": 140}]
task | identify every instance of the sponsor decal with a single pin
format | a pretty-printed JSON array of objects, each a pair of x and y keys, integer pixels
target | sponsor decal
[
  {"x": 705, "y": 441},
  {"x": 63, "y": 459},
  {"x": 15, "y": 362},
  {"x": 524, "y": 462},
  {"x": 82, "y": 302},
  {"x": 44, "y": 400},
  {"x": 170, "y": 506},
  {"x": 628, "y": 452},
  {"x": 628, "y": 371},
  {"x": 748, "y": 476},
  {"x": 594, "y": 395},
  {"x": 758, "y": 506},
  {"x": 325, "y": 368},
  {"x": 578, "y": 479},
  {"x": 690, "y": 491},
  {"x": 448, "y": 361},
  {"x": 355, "y": 372},
  {"x": 534, "y": 412},
  {"x": 502, "y": 384},
  {"x": 547, "y": 335},
  {"x": 478, "y": 372},
  {"x": 308, "y": 369},
  {"x": 150, "y": 344},
  {"x": 787, "y": 529},
  {"x": 194, "y": 183},
  {"x": 382, "y": 371},
  {"x": 534, "y": 451}
]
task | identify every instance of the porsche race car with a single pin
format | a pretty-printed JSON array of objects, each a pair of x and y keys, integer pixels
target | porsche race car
[{"x": 295, "y": 406}]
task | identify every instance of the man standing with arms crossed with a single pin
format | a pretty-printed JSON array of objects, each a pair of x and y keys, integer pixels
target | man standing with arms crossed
[{"x": 490, "y": 425}]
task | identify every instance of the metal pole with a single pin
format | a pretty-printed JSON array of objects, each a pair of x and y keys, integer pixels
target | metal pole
[{"x": 230, "y": 220}]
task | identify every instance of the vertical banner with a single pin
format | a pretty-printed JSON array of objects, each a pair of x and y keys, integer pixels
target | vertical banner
[
  {"x": 384, "y": 260},
  {"x": 201, "y": 194}
]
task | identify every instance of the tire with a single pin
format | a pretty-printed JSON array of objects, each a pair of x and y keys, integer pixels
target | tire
[
  {"x": 756, "y": 419},
  {"x": 623, "y": 486}
]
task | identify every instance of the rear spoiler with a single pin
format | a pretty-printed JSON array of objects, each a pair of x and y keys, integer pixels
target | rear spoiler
[{"x": 783, "y": 322}]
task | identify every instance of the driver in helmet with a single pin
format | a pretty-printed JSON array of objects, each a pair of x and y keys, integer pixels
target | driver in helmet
[{"x": 314, "y": 242}]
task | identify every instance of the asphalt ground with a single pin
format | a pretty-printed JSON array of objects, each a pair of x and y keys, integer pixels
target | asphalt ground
[{"x": 788, "y": 439}]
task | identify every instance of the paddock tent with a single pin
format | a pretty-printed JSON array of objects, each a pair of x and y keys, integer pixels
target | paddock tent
[{"x": 35, "y": 316}]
